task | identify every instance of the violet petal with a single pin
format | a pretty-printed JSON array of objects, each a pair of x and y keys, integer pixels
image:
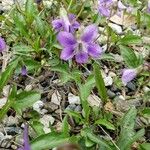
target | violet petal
[
  {"x": 94, "y": 50},
  {"x": 128, "y": 75},
  {"x": 121, "y": 6},
  {"x": 2, "y": 44},
  {"x": 81, "y": 57},
  {"x": 71, "y": 17},
  {"x": 104, "y": 11},
  {"x": 90, "y": 33},
  {"x": 24, "y": 71},
  {"x": 57, "y": 24},
  {"x": 26, "y": 139},
  {"x": 66, "y": 39},
  {"x": 67, "y": 53}
]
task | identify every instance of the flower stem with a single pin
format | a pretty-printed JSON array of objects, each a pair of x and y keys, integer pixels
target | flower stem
[{"x": 70, "y": 4}]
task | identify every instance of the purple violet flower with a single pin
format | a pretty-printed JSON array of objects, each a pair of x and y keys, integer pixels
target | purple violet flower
[
  {"x": 68, "y": 24},
  {"x": 2, "y": 44},
  {"x": 24, "y": 70},
  {"x": 128, "y": 75},
  {"x": 26, "y": 145},
  {"x": 104, "y": 7},
  {"x": 122, "y": 7},
  {"x": 80, "y": 48}
]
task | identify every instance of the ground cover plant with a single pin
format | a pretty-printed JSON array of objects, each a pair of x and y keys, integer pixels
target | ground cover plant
[{"x": 74, "y": 74}]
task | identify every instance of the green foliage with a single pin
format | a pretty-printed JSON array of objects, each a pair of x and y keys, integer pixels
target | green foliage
[
  {"x": 30, "y": 11},
  {"x": 100, "y": 83},
  {"x": 47, "y": 141},
  {"x": 85, "y": 91},
  {"x": 105, "y": 123},
  {"x": 144, "y": 146},
  {"x": 130, "y": 39},
  {"x": 127, "y": 135},
  {"x": 5, "y": 76},
  {"x": 25, "y": 99},
  {"x": 19, "y": 101},
  {"x": 88, "y": 133},
  {"x": 32, "y": 42},
  {"x": 10, "y": 101},
  {"x": 130, "y": 58}
]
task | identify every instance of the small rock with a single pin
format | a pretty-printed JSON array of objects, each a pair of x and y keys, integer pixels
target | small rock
[
  {"x": 120, "y": 97},
  {"x": 28, "y": 87},
  {"x": 112, "y": 74},
  {"x": 114, "y": 88},
  {"x": 104, "y": 48},
  {"x": 78, "y": 108},
  {"x": 10, "y": 121},
  {"x": 45, "y": 120},
  {"x": 58, "y": 126},
  {"x": 56, "y": 98},
  {"x": 7, "y": 4},
  {"x": 6, "y": 143},
  {"x": 94, "y": 101},
  {"x": 43, "y": 111},
  {"x": 111, "y": 94},
  {"x": 13, "y": 146},
  {"x": 117, "y": 58},
  {"x": 125, "y": 20},
  {"x": 124, "y": 105},
  {"x": 6, "y": 90},
  {"x": 1, "y": 136},
  {"x": 48, "y": 3},
  {"x": 37, "y": 106},
  {"x": 13, "y": 130},
  {"x": 146, "y": 89},
  {"x": 19, "y": 139},
  {"x": 3, "y": 101},
  {"x": 50, "y": 106},
  {"x": 73, "y": 99},
  {"x": 71, "y": 107},
  {"x": 115, "y": 27},
  {"x": 108, "y": 81},
  {"x": 131, "y": 86}
]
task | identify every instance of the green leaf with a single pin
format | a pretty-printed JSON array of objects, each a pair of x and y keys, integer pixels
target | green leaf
[
  {"x": 65, "y": 127},
  {"x": 100, "y": 82},
  {"x": 31, "y": 64},
  {"x": 105, "y": 123},
  {"x": 130, "y": 39},
  {"x": 48, "y": 141},
  {"x": 74, "y": 114},
  {"x": 4, "y": 109},
  {"x": 20, "y": 24},
  {"x": 9, "y": 103},
  {"x": 144, "y": 146},
  {"x": 127, "y": 133},
  {"x": 85, "y": 91},
  {"x": 26, "y": 99},
  {"x": 38, "y": 127},
  {"x": 5, "y": 76},
  {"x": 130, "y": 57},
  {"x": 40, "y": 26},
  {"x": 146, "y": 112},
  {"x": 30, "y": 10},
  {"x": 22, "y": 49},
  {"x": 107, "y": 57},
  {"x": 134, "y": 138},
  {"x": 88, "y": 133}
]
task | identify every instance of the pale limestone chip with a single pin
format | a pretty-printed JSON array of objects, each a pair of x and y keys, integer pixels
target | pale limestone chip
[{"x": 56, "y": 98}]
